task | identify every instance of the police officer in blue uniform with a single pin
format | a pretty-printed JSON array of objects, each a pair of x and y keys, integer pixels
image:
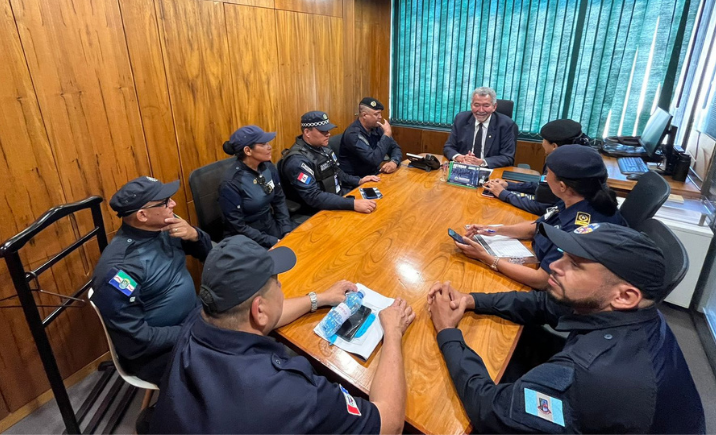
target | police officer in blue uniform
[
  {"x": 536, "y": 197},
  {"x": 367, "y": 141},
  {"x": 311, "y": 174},
  {"x": 251, "y": 197},
  {"x": 621, "y": 370},
  {"x": 142, "y": 287},
  {"x": 228, "y": 376},
  {"x": 577, "y": 176}
]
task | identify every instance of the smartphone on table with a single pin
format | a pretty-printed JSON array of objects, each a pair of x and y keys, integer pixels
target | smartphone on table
[
  {"x": 455, "y": 236},
  {"x": 370, "y": 193}
]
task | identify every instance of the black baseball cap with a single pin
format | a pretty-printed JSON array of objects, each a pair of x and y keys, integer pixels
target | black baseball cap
[
  {"x": 629, "y": 254},
  {"x": 316, "y": 119},
  {"x": 247, "y": 136},
  {"x": 561, "y": 130},
  {"x": 132, "y": 196},
  {"x": 372, "y": 103},
  {"x": 576, "y": 162},
  {"x": 236, "y": 269}
]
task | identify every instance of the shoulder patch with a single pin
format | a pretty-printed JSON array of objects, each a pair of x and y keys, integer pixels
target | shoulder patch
[
  {"x": 123, "y": 282},
  {"x": 583, "y": 219},
  {"x": 306, "y": 168},
  {"x": 543, "y": 406},
  {"x": 586, "y": 229},
  {"x": 304, "y": 178},
  {"x": 351, "y": 405}
]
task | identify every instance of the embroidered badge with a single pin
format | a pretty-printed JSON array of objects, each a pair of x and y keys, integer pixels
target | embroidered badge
[
  {"x": 325, "y": 116},
  {"x": 586, "y": 229},
  {"x": 303, "y": 178},
  {"x": 351, "y": 404},
  {"x": 325, "y": 166},
  {"x": 306, "y": 168},
  {"x": 543, "y": 406},
  {"x": 372, "y": 103},
  {"x": 123, "y": 282},
  {"x": 582, "y": 218}
]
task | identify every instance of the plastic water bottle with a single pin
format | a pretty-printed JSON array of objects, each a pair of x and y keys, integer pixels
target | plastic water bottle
[{"x": 340, "y": 313}]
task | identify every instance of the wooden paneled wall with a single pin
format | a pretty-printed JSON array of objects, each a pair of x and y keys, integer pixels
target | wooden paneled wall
[{"x": 97, "y": 92}]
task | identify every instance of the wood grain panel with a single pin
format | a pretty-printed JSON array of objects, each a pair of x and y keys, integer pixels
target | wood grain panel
[
  {"x": 78, "y": 59},
  {"x": 372, "y": 50},
  {"x": 531, "y": 153},
  {"x": 145, "y": 52},
  {"x": 196, "y": 55},
  {"x": 397, "y": 252},
  {"x": 257, "y": 3},
  {"x": 254, "y": 59},
  {"x": 409, "y": 139},
  {"x": 333, "y": 8}
]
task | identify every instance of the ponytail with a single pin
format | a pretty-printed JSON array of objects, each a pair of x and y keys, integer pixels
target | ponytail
[{"x": 596, "y": 192}]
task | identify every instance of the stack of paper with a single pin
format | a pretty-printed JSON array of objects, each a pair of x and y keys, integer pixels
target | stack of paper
[
  {"x": 364, "y": 345},
  {"x": 506, "y": 247}
]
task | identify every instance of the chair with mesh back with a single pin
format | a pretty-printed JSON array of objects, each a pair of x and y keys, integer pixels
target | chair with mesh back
[
  {"x": 677, "y": 260},
  {"x": 648, "y": 195},
  {"x": 505, "y": 107},
  {"x": 204, "y": 184}
]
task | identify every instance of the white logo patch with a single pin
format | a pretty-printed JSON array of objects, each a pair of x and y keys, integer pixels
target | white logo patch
[{"x": 307, "y": 169}]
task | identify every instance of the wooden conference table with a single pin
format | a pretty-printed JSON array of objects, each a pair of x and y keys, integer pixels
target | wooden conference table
[{"x": 400, "y": 250}]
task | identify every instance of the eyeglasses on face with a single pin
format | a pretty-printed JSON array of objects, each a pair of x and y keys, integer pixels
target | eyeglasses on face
[{"x": 164, "y": 203}]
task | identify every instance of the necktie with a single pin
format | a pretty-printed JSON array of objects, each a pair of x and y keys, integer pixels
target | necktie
[{"x": 477, "y": 144}]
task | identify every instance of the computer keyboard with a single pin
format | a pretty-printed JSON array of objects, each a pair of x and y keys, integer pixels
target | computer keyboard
[{"x": 632, "y": 165}]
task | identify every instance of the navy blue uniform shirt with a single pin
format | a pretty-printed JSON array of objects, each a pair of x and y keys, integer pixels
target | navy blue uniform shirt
[
  {"x": 619, "y": 372},
  {"x": 144, "y": 292},
  {"x": 247, "y": 209},
  {"x": 568, "y": 219},
  {"x": 223, "y": 381},
  {"x": 526, "y": 198},
  {"x": 362, "y": 151}
]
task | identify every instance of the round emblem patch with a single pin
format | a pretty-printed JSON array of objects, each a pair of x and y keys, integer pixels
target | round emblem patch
[
  {"x": 124, "y": 284},
  {"x": 586, "y": 229},
  {"x": 372, "y": 103},
  {"x": 325, "y": 116}
]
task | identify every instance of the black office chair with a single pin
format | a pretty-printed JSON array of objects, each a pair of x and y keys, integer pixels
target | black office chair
[
  {"x": 677, "y": 260},
  {"x": 204, "y": 184},
  {"x": 648, "y": 195},
  {"x": 335, "y": 143},
  {"x": 505, "y": 107}
]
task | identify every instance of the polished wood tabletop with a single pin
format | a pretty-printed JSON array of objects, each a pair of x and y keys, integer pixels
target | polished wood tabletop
[
  {"x": 619, "y": 182},
  {"x": 400, "y": 250}
]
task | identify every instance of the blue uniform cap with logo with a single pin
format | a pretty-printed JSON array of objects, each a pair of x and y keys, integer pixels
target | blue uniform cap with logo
[
  {"x": 576, "y": 162},
  {"x": 372, "y": 103},
  {"x": 627, "y": 253},
  {"x": 318, "y": 120},
  {"x": 134, "y": 195},
  {"x": 247, "y": 136},
  {"x": 236, "y": 269}
]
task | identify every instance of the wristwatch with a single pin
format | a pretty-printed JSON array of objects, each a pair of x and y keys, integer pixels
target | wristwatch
[
  {"x": 493, "y": 266},
  {"x": 314, "y": 301}
]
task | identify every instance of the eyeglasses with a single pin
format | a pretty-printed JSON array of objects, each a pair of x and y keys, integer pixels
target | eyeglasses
[
  {"x": 164, "y": 203},
  {"x": 261, "y": 181}
]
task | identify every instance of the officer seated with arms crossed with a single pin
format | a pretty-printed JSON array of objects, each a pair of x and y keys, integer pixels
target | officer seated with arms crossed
[
  {"x": 482, "y": 136},
  {"x": 367, "y": 141},
  {"x": 228, "y": 376},
  {"x": 554, "y": 134},
  {"x": 621, "y": 370},
  {"x": 141, "y": 284},
  {"x": 251, "y": 197},
  {"x": 312, "y": 175},
  {"x": 577, "y": 176}
]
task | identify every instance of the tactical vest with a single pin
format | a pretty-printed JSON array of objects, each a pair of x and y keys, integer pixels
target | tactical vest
[{"x": 324, "y": 165}]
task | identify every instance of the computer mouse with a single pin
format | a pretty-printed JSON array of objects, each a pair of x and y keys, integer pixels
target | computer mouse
[{"x": 634, "y": 176}]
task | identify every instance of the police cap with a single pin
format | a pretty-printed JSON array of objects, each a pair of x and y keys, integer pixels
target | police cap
[
  {"x": 236, "y": 269},
  {"x": 132, "y": 196},
  {"x": 576, "y": 162},
  {"x": 247, "y": 136},
  {"x": 316, "y": 119},
  {"x": 561, "y": 130},
  {"x": 616, "y": 247},
  {"x": 372, "y": 103}
]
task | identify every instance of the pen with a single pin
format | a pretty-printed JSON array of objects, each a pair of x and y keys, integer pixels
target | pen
[{"x": 490, "y": 231}]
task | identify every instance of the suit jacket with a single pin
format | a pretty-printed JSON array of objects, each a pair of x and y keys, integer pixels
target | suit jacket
[{"x": 500, "y": 143}]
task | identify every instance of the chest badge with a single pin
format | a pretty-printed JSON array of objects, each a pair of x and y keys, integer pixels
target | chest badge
[{"x": 583, "y": 219}]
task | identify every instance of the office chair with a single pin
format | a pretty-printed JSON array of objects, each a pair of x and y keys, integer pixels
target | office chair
[
  {"x": 648, "y": 195},
  {"x": 131, "y": 380},
  {"x": 335, "y": 143},
  {"x": 204, "y": 184},
  {"x": 505, "y": 107},
  {"x": 677, "y": 260}
]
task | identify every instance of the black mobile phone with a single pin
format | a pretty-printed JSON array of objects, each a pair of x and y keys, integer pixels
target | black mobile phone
[
  {"x": 487, "y": 193},
  {"x": 455, "y": 236},
  {"x": 349, "y": 328},
  {"x": 369, "y": 193}
]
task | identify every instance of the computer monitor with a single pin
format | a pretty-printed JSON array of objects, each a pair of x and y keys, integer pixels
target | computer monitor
[{"x": 654, "y": 131}]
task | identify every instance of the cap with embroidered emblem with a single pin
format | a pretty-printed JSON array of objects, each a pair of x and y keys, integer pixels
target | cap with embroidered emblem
[
  {"x": 372, "y": 103},
  {"x": 576, "y": 162},
  {"x": 616, "y": 247},
  {"x": 135, "y": 194},
  {"x": 317, "y": 119},
  {"x": 247, "y": 136}
]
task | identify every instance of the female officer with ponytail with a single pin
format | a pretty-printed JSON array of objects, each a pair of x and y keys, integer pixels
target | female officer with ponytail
[
  {"x": 577, "y": 176},
  {"x": 251, "y": 198}
]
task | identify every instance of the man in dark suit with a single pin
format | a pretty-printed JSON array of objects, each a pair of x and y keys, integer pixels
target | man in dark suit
[{"x": 482, "y": 136}]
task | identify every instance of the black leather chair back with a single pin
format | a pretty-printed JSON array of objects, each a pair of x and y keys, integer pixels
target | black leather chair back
[
  {"x": 648, "y": 195},
  {"x": 204, "y": 184},
  {"x": 677, "y": 260},
  {"x": 505, "y": 107},
  {"x": 335, "y": 143}
]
